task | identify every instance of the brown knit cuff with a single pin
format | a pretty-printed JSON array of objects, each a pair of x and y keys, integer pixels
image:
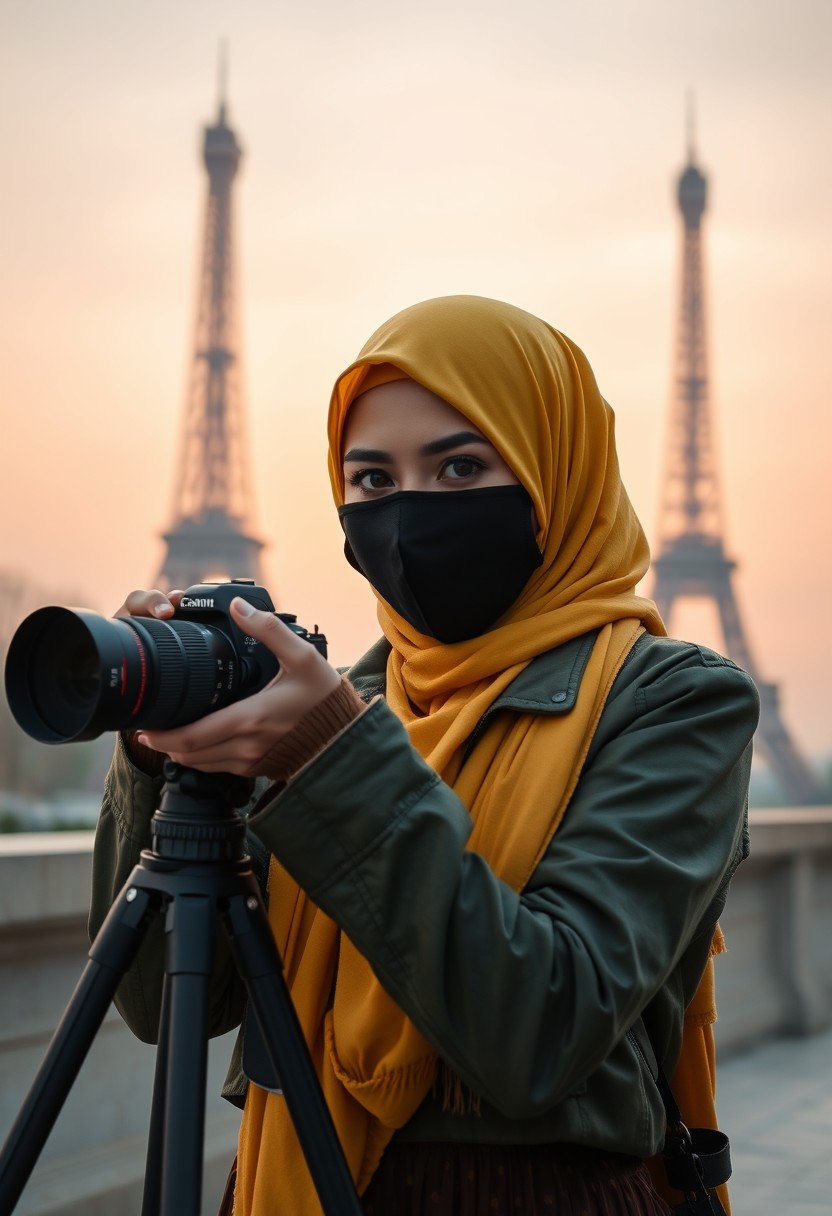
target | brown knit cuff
[{"x": 311, "y": 735}]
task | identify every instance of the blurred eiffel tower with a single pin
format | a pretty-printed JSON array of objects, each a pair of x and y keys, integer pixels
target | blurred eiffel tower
[
  {"x": 691, "y": 559},
  {"x": 210, "y": 537}
]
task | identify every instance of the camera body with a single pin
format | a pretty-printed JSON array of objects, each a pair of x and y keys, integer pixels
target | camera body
[
  {"x": 209, "y": 605},
  {"x": 72, "y": 674}
]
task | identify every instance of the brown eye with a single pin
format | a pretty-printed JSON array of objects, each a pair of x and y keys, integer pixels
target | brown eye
[
  {"x": 461, "y": 468},
  {"x": 368, "y": 480}
]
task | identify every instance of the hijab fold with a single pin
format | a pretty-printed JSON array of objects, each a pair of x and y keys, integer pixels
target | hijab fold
[{"x": 532, "y": 393}]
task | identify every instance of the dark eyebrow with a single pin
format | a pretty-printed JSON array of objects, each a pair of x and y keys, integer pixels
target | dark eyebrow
[
  {"x": 434, "y": 448},
  {"x": 460, "y": 439},
  {"x": 371, "y": 454}
]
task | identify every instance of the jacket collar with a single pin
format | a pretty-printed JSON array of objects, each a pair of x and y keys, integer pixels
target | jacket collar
[{"x": 548, "y": 685}]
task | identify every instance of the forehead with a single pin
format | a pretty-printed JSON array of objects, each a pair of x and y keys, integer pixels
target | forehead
[{"x": 400, "y": 412}]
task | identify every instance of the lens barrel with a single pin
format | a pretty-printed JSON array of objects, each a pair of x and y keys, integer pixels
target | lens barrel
[{"x": 72, "y": 674}]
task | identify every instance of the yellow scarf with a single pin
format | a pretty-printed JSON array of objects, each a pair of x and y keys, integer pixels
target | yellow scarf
[{"x": 532, "y": 393}]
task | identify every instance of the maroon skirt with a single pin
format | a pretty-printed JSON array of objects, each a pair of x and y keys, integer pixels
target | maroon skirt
[{"x": 509, "y": 1180}]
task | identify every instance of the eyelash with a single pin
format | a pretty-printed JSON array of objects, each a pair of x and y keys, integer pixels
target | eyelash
[{"x": 355, "y": 479}]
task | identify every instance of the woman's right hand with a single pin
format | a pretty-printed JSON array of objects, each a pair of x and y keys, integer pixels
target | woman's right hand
[{"x": 150, "y": 603}]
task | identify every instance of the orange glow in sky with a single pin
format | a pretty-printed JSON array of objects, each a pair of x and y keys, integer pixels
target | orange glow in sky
[{"x": 526, "y": 151}]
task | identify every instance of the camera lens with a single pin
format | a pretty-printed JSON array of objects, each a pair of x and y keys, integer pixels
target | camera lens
[
  {"x": 64, "y": 676},
  {"x": 71, "y": 675}
]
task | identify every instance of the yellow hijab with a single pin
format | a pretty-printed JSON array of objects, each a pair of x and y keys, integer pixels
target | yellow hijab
[{"x": 532, "y": 393}]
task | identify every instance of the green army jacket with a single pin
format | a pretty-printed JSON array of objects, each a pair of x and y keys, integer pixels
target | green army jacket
[{"x": 552, "y": 1005}]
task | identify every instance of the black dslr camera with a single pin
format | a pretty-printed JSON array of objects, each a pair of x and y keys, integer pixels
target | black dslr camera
[{"x": 72, "y": 674}]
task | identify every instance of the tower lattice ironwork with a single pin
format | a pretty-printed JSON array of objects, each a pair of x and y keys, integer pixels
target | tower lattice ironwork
[
  {"x": 210, "y": 536},
  {"x": 691, "y": 559}
]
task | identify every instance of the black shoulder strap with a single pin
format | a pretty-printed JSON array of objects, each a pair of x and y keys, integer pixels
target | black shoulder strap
[{"x": 696, "y": 1159}]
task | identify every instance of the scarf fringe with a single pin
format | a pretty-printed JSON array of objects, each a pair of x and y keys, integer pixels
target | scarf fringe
[{"x": 718, "y": 945}]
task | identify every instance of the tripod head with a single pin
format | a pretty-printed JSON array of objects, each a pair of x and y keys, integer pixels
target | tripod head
[{"x": 197, "y": 819}]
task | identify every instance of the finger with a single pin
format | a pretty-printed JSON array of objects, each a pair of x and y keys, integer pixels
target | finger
[
  {"x": 216, "y": 730},
  {"x": 268, "y": 628},
  {"x": 234, "y": 753},
  {"x": 146, "y": 603},
  {"x": 210, "y": 762},
  {"x": 214, "y": 766},
  {"x": 190, "y": 758}
]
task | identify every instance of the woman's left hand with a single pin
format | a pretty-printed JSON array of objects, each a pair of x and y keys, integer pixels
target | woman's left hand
[{"x": 237, "y": 738}]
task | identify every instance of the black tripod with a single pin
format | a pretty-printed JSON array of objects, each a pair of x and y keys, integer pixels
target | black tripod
[{"x": 196, "y": 873}]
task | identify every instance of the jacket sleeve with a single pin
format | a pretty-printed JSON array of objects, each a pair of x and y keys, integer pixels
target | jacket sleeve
[
  {"x": 525, "y": 995},
  {"x": 130, "y": 800}
]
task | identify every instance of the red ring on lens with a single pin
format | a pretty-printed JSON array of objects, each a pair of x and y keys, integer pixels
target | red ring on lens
[{"x": 142, "y": 674}]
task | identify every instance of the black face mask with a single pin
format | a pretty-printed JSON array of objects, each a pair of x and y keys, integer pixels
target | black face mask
[{"x": 451, "y": 562}]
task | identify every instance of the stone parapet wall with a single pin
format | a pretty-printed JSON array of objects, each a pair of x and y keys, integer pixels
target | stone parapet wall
[{"x": 777, "y": 974}]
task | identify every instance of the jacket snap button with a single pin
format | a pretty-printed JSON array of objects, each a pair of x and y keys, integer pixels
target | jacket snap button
[{"x": 558, "y": 697}]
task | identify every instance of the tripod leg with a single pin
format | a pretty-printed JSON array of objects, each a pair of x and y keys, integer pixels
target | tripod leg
[
  {"x": 259, "y": 965},
  {"x": 152, "y": 1197},
  {"x": 190, "y": 928},
  {"x": 109, "y": 957}
]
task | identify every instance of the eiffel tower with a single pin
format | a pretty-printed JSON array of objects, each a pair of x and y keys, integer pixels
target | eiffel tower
[
  {"x": 691, "y": 559},
  {"x": 210, "y": 537}
]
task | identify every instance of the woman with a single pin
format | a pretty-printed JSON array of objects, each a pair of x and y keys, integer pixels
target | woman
[{"x": 496, "y": 886}]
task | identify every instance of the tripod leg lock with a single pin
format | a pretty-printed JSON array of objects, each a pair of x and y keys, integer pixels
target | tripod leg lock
[{"x": 121, "y": 934}]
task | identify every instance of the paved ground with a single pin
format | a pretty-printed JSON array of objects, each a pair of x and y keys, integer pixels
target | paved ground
[{"x": 775, "y": 1103}]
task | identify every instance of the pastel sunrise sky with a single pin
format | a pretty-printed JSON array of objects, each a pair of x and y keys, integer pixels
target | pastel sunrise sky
[{"x": 526, "y": 151}]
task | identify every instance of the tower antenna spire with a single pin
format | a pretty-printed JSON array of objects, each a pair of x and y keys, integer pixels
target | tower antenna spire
[
  {"x": 222, "y": 81},
  {"x": 690, "y": 125}
]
